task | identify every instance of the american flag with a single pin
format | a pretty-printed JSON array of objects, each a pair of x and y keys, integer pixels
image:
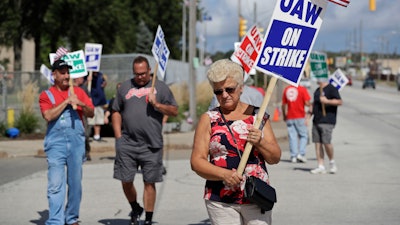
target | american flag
[
  {"x": 343, "y": 3},
  {"x": 61, "y": 51}
]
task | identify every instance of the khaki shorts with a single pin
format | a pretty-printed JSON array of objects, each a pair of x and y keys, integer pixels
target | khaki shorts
[
  {"x": 322, "y": 133},
  {"x": 224, "y": 213},
  {"x": 98, "y": 118}
]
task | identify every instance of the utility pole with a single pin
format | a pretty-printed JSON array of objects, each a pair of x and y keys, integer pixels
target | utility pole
[
  {"x": 192, "y": 55},
  {"x": 239, "y": 16},
  {"x": 183, "y": 31}
]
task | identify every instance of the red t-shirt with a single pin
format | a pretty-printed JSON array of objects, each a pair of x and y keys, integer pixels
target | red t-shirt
[
  {"x": 295, "y": 98},
  {"x": 60, "y": 96}
]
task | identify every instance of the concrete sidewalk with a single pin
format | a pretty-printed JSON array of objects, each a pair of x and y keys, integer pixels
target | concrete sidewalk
[{"x": 172, "y": 141}]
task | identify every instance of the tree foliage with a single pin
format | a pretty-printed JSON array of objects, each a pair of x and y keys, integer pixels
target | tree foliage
[{"x": 117, "y": 24}]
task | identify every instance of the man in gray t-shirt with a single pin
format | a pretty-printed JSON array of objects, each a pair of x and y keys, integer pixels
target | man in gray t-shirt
[{"x": 138, "y": 110}]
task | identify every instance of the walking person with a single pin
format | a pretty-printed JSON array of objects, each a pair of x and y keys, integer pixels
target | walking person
[
  {"x": 219, "y": 142},
  {"x": 324, "y": 111},
  {"x": 64, "y": 144},
  {"x": 139, "y": 142},
  {"x": 294, "y": 101},
  {"x": 99, "y": 100}
]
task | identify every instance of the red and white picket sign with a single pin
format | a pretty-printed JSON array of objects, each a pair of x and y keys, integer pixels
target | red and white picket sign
[{"x": 247, "y": 52}]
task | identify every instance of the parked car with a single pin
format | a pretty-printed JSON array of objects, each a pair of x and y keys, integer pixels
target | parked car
[
  {"x": 350, "y": 83},
  {"x": 369, "y": 82}
]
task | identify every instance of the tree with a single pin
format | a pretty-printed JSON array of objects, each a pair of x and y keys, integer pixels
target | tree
[{"x": 144, "y": 38}]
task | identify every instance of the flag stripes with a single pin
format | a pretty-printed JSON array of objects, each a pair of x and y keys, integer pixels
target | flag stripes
[{"x": 343, "y": 3}]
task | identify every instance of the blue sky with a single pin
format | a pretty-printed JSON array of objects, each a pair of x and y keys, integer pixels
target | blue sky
[{"x": 340, "y": 30}]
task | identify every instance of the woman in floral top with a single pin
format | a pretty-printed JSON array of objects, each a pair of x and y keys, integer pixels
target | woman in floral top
[{"x": 217, "y": 149}]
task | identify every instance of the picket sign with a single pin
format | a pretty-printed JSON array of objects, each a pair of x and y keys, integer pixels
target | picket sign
[
  {"x": 77, "y": 61},
  {"x": 285, "y": 49},
  {"x": 92, "y": 59},
  {"x": 161, "y": 53},
  {"x": 319, "y": 70},
  {"x": 46, "y": 72}
]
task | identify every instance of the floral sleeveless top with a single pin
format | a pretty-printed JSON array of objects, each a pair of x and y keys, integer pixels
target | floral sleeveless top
[{"x": 224, "y": 153}]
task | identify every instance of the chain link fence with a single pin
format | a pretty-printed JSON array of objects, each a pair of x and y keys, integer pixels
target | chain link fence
[{"x": 117, "y": 68}]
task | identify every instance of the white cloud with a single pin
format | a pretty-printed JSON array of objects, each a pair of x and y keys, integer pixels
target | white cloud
[{"x": 339, "y": 31}]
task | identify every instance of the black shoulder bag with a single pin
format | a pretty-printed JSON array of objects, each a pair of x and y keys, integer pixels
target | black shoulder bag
[{"x": 256, "y": 190}]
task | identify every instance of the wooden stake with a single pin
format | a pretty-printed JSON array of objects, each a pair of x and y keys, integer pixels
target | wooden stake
[
  {"x": 257, "y": 123},
  {"x": 90, "y": 78},
  {"x": 322, "y": 104},
  {"x": 71, "y": 90},
  {"x": 153, "y": 82}
]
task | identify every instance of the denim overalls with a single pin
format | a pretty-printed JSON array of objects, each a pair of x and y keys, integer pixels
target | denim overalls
[{"x": 64, "y": 145}]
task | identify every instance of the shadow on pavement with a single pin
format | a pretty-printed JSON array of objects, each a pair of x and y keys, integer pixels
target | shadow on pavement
[
  {"x": 44, "y": 215},
  {"x": 203, "y": 222}
]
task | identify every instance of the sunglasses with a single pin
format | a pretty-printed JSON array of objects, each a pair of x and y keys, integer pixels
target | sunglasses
[{"x": 228, "y": 90}]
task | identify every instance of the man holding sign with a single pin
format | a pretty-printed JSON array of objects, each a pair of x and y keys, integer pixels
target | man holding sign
[
  {"x": 324, "y": 110},
  {"x": 64, "y": 144},
  {"x": 139, "y": 143}
]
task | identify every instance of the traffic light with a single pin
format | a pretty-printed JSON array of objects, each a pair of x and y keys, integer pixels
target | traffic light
[
  {"x": 372, "y": 5},
  {"x": 242, "y": 27}
]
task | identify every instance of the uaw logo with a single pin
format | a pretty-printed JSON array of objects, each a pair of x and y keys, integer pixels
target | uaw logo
[{"x": 144, "y": 91}]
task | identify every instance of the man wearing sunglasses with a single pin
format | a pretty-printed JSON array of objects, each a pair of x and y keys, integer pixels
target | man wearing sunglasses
[{"x": 137, "y": 114}]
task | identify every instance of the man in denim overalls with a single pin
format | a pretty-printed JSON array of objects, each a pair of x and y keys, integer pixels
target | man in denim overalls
[{"x": 64, "y": 144}]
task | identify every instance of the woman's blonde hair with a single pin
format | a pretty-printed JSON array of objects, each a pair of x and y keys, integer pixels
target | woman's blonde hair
[{"x": 224, "y": 68}]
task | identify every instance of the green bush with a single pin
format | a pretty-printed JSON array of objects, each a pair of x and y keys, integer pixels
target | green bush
[
  {"x": 3, "y": 128},
  {"x": 27, "y": 122}
]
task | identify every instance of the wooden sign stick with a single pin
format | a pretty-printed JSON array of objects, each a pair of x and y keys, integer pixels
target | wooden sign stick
[
  {"x": 153, "y": 82},
  {"x": 71, "y": 90},
  {"x": 322, "y": 104},
  {"x": 257, "y": 123},
  {"x": 90, "y": 77}
]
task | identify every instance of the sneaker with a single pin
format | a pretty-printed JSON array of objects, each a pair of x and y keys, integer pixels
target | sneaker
[
  {"x": 318, "y": 170},
  {"x": 332, "y": 168},
  {"x": 301, "y": 158},
  {"x": 135, "y": 216},
  {"x": 148, "y": 222},
  {"x": 97, "y": 139},
  {"x": 293, "y": 160}
]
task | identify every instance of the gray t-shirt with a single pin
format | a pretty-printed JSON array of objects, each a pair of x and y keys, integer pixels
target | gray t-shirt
[{"x": 141, "y": 123}]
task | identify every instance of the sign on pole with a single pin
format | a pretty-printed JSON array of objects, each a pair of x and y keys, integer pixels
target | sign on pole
[
  {"x": 318, "y": 65},
  {"x": 76, "y": 60},
  {"x": 338, "y": 79},
  {"x": 93, "y": 56},
  {"x": 247, "y": 51},
  {"x": 289, "y": 38},
  {"x": 160, "y": 51}
]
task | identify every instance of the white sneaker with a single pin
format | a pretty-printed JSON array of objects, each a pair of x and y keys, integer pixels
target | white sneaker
[
  {"x": 301, "y": 158},
  {"x": 332, "y": 168},
  {"x": 294, "y": 160},
  {"x": 318, "y": 170}
]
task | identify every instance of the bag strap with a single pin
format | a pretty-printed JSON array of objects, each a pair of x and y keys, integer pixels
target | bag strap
[{"x": 230, "y": 131}]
